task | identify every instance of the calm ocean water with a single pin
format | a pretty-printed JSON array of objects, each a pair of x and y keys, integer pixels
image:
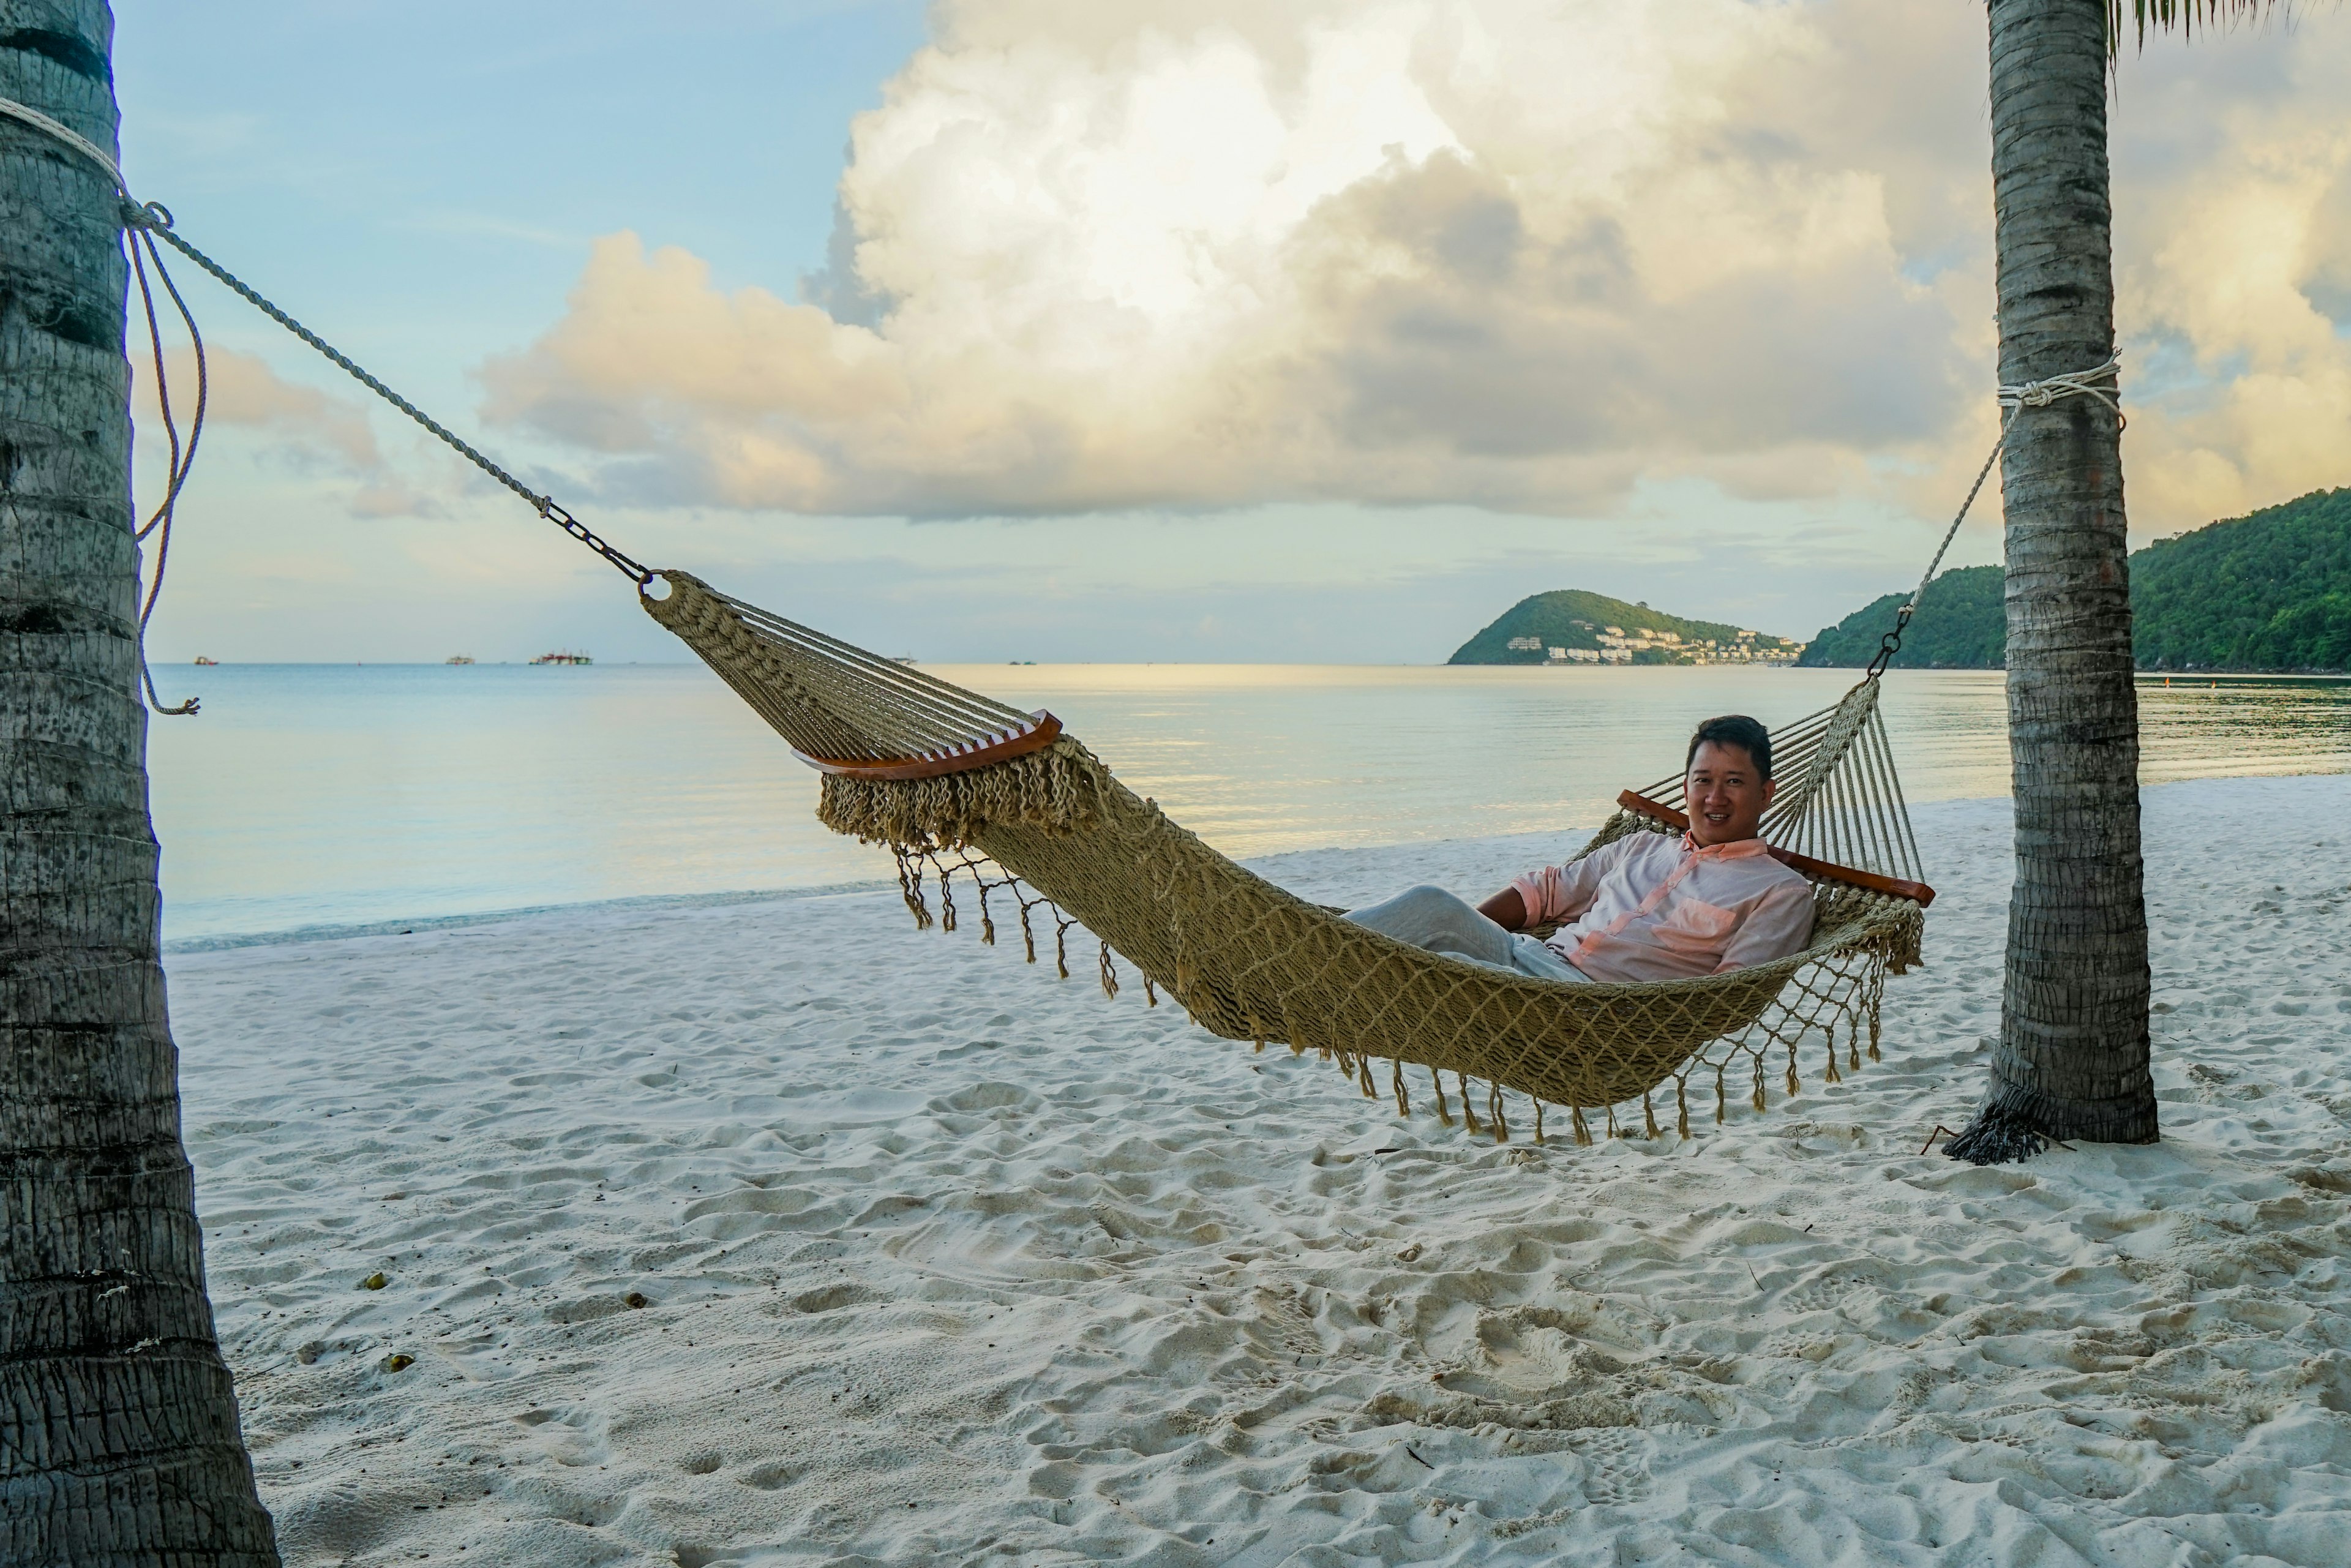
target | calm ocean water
[{"x": 310, "y": 795}]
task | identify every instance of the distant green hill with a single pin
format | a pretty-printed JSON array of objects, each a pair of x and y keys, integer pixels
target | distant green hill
[
  {"x": 1570, "y": 618},
  {"x": 1960, "y": 625},
  {"x": 2271, "y": 592}
]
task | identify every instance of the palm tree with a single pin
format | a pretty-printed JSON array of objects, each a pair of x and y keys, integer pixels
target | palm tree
[
  {"x": 118, "y": 1438},
  {"x": 2072, "y": 1061}
]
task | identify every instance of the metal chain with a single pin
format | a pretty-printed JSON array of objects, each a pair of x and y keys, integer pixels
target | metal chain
[
  {"x": 1891, "y": 643},
  {"x": 156, "y": 219}
]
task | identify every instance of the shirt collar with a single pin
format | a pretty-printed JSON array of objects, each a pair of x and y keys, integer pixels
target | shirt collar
[{"x": 1737, "y": 849}]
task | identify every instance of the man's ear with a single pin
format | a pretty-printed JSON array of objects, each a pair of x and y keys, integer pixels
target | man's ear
[{"x": 1771, "y": 788}]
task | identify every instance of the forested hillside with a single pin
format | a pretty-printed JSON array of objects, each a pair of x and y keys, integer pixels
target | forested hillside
[
  {"x": 1959, "y": 626},
  {"x": 2271, "y": 592}
]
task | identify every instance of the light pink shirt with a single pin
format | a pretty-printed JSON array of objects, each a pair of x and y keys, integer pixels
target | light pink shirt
[{"x": 1650, "y": 907}]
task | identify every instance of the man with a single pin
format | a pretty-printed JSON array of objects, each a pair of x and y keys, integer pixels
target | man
[{"x": 1646, "y": 907}]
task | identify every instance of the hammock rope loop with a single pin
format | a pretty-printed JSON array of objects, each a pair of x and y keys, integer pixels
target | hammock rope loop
[
  {"x": 180, "y": 458},
  {"x": 2011, "y": 397},
  {"x": 142, "y": 220}
]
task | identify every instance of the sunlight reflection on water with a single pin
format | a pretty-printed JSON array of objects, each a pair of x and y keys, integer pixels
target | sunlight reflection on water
[{"x": 327, "y": 794}]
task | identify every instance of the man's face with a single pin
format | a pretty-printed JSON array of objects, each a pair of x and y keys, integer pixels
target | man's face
[{"x": 1726, "y": 795}]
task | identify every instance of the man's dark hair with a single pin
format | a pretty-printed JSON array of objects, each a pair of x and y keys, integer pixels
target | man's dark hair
[{"x": 1734, "y": 729}]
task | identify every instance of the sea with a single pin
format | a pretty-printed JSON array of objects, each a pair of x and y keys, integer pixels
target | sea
[{"x": 313, "y": 798}]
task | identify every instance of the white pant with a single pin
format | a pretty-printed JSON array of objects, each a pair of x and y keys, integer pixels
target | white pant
[{"x": 1428, "y": 916}]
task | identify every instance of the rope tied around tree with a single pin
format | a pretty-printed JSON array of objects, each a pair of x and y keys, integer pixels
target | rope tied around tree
[
  {"x": 2042, "y": 393},
  {"x": 140, "y": 221},
  {"x": 2072, "y": 384}
]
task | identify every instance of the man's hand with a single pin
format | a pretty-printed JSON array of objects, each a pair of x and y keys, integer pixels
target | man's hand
[{"x": 1506, "y": 909}]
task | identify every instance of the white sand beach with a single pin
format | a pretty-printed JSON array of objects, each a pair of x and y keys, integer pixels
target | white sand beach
[{"x": 943, "y": 1260}]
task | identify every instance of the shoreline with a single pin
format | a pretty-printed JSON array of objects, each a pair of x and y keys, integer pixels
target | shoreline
[
  {"x": 1226, "y": 665},
  {"x": 1266, "y": 865},
  {"x": 337, "y": 932}
]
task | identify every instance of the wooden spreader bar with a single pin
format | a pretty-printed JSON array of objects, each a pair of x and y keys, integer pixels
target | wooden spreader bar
[
  {"x": 1918, "y": 893},
  {"x": 1041, "y": 732}
]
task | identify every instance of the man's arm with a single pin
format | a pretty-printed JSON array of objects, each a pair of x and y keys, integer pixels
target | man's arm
[
  {"x": 1780, "y": 923},
  {"x": 1506, "y": 909},
  {"x": 1553, "y": 894}
]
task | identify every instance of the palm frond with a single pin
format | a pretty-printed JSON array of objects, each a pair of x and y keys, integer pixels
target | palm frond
[{"x": 2184, "y": 16}]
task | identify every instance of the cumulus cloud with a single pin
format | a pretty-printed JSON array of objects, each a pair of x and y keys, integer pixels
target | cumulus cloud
[
  {"x": 2241, "y": 297},
  {"x": 299, "y": 424},
  {"x": 242, "y": 391},
  {"x": 1520, "y": 253}
]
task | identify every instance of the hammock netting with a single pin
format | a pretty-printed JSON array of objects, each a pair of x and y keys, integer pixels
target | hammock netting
[{"x": 965, "y": 790}]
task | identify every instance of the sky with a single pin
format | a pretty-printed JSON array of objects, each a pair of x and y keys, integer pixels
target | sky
[{"x": 1172, "y": 329}]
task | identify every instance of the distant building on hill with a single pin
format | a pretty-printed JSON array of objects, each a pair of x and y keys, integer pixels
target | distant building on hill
[{"x": 1572, "y": 626}]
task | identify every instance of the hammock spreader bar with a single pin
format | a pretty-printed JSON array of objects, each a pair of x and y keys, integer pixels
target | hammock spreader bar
[{"x": 978, "y": 751}]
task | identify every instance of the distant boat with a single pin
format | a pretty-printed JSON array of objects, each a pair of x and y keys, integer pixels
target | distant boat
[
  {"x": 902, "y": 658},
  {"x": 563, "y": 656},
  {"x": 202, "y": 660},
  {"x": 458, "y": 659}
]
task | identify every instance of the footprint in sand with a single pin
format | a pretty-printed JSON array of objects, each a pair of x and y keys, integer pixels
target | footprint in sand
[
  {"x": 774, "y": 1477},
  {"x": 1616, "y": 1466},
  {"x": 833, "y": 1297},
  {"x": 1824, "y": 1294},
  {"x": 475, "y": 1358},
  {"x": 571, "y": 1435},
  {"x": 1284, "y": 1314}
]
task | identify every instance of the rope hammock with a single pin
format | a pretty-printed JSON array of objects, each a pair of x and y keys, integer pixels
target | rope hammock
[
  {"x": 962, "y": 789},
  {"x": 967, "y": 791}
]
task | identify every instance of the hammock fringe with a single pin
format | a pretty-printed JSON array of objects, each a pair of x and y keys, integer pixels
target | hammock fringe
[{"x": 1052, "y": 790}]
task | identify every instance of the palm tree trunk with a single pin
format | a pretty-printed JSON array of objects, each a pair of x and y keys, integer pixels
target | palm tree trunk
[
  {"x": 119, "y": 1439},
  {"x": 2072, "y": 1056}
]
